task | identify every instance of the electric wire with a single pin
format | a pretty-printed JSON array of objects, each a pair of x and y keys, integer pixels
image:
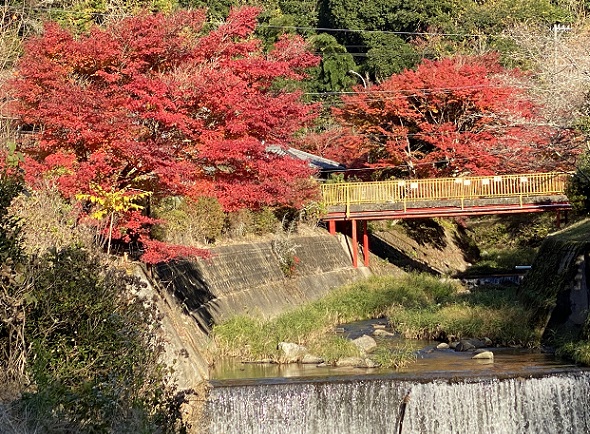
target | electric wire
[{"x": 37, "y": 10}]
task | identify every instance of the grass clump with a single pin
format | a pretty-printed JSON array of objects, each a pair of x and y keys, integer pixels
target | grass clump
[
  {"x": 312, "y": 325},
  {"x": 394, "y": 358},
  {"x": 332, "y": 347},
  {"x": 488, "y": 312},
  {"x": 578, "y": 351},
  {"x": 496, "y": 260},
  {"x": 418, "y": 306}
]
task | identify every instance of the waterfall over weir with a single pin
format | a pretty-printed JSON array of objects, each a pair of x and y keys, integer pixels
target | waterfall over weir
[{"x": 552, "y": 404}]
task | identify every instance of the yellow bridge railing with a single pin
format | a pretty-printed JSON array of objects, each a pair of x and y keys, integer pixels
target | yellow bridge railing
[{"x": 440, "y": 189}]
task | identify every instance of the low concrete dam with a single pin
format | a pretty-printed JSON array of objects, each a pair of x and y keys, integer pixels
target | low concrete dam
[{"x": 555, "y": 403}]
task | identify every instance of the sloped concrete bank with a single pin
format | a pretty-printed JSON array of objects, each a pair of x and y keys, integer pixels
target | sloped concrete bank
[
  {"x": 238, "y": 279},
  {"x": 243, "y": 279},
  {"x": 249, "y": 278}
]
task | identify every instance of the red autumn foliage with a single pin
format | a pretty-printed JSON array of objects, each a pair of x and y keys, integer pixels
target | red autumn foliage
[
  {"x": 157, "y": 103},
  {"x": 447, "y": 118}
]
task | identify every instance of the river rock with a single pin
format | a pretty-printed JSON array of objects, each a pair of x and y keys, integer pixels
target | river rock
[
  {"x": 370, "y": 363},
  {"x": 443, "y": 346},
  {"x": 469, "y": 344},
  {"x": 351, "y": 362},
  {"x": 488, "y": 355},
  {"x": 365, "y": 344},
  {"x": 356, "y": 362},
  {"x": 383, "y": 333},
  {"x": 464, "y": 345},
  {"x": 478, "y": 343},
  {"x": 309, "y": 359},
  {"x": 291, "y": 352}
]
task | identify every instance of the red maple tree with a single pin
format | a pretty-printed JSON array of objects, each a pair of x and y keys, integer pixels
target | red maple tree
[
  {"x": 448, "y": 118},
  {"x": 157, "y": 103}
]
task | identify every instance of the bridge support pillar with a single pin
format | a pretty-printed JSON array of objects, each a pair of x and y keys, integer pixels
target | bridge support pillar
[
  {"x": 332, "y": 227},
  {"x": 365, "y": 244},
  {"x": 558, "y": 219},
  {"x": 355, "y": 245}
]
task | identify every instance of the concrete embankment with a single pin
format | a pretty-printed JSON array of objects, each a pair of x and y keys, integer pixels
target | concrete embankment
[{"x": 242, "y": 279}]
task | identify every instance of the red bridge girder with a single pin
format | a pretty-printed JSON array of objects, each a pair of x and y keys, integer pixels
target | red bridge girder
[{"x": 366, "y": 214}]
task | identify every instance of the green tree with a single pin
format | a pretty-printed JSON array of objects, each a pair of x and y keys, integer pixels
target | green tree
[
  {"x": 333, "y": 73},
  {"x": 388, "y": 55},
  {"x": 380, "y": 30},
  {"x": 491, "y": 17},
  {"x": 578, "y": 189}
]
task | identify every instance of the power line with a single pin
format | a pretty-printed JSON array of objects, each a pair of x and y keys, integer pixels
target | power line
[
  {"x": 387, "y": 32},
  {"x": 21, "y": 8},
  {"x": 407, "y": 93}
]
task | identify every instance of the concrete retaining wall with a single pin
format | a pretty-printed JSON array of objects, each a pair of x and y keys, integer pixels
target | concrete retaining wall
[{"x": 247, "y": 278}]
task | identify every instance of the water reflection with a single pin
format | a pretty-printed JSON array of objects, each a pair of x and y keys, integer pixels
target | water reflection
[{"x": 430, "y": 363}]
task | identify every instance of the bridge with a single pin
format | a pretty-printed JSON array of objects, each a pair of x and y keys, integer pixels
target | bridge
[{"x": 355, "y": 202}]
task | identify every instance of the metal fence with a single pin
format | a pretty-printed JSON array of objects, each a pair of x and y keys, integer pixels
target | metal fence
[{"x": 440, "y": 189}]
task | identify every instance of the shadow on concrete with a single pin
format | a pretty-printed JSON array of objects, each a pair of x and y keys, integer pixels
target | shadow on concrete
[
  {"x": 185, "y": 280},
  {"x": 397, "y": 257}
]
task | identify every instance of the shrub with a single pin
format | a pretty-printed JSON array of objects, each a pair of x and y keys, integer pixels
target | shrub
[
  {"x": 94, "y": 353},
  {"x": 190, "y": 222},
  {"x": 264, "y": 221},
  {"x": 12, "y": 294},
  {"x": 48, "y": 221},
  {"x": 241, "y": 223},
  {"x": 578, "y": 187},
  {"x": 237, "y": 223}
]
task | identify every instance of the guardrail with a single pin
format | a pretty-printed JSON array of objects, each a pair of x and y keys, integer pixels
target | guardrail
[{"x": 440, "y": 189}]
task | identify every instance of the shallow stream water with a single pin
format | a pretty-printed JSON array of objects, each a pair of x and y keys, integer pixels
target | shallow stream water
[
  {"x": 443, "y": 392},
  {"x": 430, "y": 362}
]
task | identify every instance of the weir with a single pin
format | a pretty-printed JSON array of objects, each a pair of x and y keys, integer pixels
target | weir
[{"x": 558, "y": 402}]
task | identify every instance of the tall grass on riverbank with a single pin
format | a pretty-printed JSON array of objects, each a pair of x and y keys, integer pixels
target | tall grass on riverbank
[
  {"x": 417, "y": 305},
  {"x": 488, "y": 312}
]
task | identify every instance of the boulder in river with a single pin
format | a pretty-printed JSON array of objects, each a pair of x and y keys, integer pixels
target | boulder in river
[
  {"x": 365, "y": 344},
  {"x": 291, "y": 352},
  {"x": 487, "y": 355}
]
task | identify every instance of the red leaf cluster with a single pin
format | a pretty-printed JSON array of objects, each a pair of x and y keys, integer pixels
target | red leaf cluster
[
  {"x": 158, "y": 104},
  {"x": 449, "y": 117}
]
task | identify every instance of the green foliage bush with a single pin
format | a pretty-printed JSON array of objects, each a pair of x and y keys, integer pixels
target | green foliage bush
[
  {"x": 48, "y": 221},
  {"x": 189, "y": 222},
  {"x": 12, "y": 294},
  {"x": 93, "y": 351},
  {"x": 10, "y": 229},
  {"x": 78, "y": 340},
  {"x": 246, "y": 222},
  {"x": 578, "y": 188}
]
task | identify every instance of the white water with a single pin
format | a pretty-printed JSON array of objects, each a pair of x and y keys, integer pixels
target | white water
[{"x": 554, "y": 404}]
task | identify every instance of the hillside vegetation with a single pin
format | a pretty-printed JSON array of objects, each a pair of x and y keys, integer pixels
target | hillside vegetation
[{"x": 152, "y": 129}]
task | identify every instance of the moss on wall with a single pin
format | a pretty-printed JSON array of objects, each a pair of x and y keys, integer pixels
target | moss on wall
[{"x": 553, "y": 274}]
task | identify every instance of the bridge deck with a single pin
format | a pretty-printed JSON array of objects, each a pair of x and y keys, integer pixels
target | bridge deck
[
  {"x": 446, "y": 197},
  {"x": 441, "y": 197}
]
